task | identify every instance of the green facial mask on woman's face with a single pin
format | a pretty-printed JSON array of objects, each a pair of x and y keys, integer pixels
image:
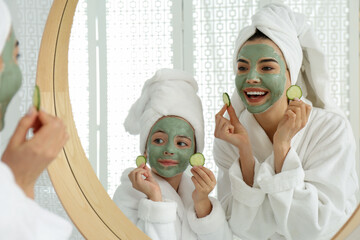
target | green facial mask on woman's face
[
  {"x": 274, "y": 82},
  {"x": 170, "y": 138},
  {"x": 10, "y": 77}
]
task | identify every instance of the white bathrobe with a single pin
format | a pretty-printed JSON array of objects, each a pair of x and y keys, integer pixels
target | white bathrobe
[
  {"x": 22, "y": 218},
  {"x": 174, "y": 217},
  {"x": 312, "y": 196}
]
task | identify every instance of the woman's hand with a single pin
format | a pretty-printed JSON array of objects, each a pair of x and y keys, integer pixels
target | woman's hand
[
  {"x": 231, "y": 130},
  {"x": 143, "y": 181},
  {"x": 204, "y": 181},
  {"x": 294, "y": 119},
  {"x": 27, "y": 158}
]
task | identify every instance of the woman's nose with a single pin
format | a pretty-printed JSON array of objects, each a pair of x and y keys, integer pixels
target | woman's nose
[
  {"x": 168, "y": 153},
  {"x": 254, "y": 80}
]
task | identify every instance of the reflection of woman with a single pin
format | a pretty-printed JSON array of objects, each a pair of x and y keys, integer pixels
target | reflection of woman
[
  {"x": 286, "y": 170},
  {"x": 162, "y": 201},
  {"x": 24, "y": 160}
]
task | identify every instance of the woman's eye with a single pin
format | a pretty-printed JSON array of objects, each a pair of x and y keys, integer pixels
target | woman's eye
[
  {"x": 158, "y": 141},
  {"x": 18, "y": 56},
  {"x": 267, "y": 68},
  {"x": 242, "y": 68}
]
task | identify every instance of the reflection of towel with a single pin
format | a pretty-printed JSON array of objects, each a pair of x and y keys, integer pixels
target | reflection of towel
[
  {"x": 300, "y": 47},
  {"x": 168, "y": 92},
  {"x": 5, "y": 24}
]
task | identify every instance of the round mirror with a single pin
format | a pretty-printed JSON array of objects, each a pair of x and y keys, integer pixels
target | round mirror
[{"x": 106, "y": 72}]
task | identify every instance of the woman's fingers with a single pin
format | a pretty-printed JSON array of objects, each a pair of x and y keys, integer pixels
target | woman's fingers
[{"x": 232, "y": 114}]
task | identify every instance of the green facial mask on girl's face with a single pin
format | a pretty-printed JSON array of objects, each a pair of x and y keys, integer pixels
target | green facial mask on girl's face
[
  {"x": 10, "y": 77},
  {"x": 274, "y": 82},
  {"x": 170, "y": 138}
]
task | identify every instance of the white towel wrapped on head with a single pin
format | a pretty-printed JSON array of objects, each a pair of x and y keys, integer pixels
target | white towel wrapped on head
[
  {"x": 5, "y": 24},
  {"x": 301, "y": 49},
  {"x": 168, "y": 92}
]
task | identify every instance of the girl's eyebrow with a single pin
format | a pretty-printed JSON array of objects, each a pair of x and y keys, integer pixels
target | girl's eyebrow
[
  {"x": 268, "y": 60},
  {"x": 184, "y": 137},
  {"x": 243, "y": 60}
]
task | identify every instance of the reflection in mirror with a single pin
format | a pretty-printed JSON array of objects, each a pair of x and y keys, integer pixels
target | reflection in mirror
[{"x": 117, "y": 45}]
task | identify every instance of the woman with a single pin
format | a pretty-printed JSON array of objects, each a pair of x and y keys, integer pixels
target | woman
[
  {"x": 286, "y": 168},
  {"x": 164, "y": 201},
  {"x": 25, "y": 159}
]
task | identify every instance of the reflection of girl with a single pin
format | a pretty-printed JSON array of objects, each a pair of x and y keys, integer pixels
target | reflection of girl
[
  {"x": 162, "y": 201},
  {"x": 286, "y": 170},
  {"x": 25, "y": 159}
]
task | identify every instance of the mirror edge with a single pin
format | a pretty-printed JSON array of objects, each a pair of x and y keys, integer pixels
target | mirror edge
[
  {"x": 76, "y": 184},
  {"x": 79, "y": 197}
]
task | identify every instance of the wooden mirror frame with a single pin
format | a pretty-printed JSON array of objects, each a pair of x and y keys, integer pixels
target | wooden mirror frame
[{"x": 85, "y": 200}]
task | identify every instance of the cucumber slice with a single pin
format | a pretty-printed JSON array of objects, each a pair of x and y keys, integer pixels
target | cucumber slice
[
  {"x": 36, "y": 97},
  {"x": 294, "y": 91},
  {"x": 226, "y": 99},
  {"x": 139, "y": 160},
  {"x": 197, "y": 159}
]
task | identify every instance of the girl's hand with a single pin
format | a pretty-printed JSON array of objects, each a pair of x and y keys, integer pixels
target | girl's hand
[
  {"x": 27, "y": 158},
  {"x": 294, "y": 119},
  {"x": 143, "y": 181},
  {"x": 204, "y": 181},
  {"x": 231, "y": 131}
]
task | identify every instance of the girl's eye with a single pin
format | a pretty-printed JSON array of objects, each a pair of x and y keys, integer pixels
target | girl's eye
[
  {"x": 18, "y": 56},
  {"x": 158, "y": 141},
  {"x": 182, "y": 144}
]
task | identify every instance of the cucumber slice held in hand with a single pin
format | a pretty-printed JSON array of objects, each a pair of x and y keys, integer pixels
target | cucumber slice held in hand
[
  {"x": 197, "y": 159},
  {"x": 140, "y": 159},
  {"x": 36, "y": 98},
  {"x": 294, "y": 91},
  {"x": 226, "y": 99}
]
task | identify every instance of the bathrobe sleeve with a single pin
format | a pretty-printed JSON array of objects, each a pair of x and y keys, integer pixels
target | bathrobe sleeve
[
  {"x": 310, "y": 198},
  {"x": 22, "y": 218},
  {"x": 212, "y": 227},
  {"x": 155, "y": 219}
]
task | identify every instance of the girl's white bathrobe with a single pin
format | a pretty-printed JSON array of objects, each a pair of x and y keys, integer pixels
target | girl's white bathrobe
[
  {"x": 22, "y": 218},
  {"x": 174, "y": 217},
  {"x": 312, "y": 196}
]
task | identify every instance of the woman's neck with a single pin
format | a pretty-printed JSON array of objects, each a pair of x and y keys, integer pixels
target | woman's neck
[{"x": 269, "y": 120}]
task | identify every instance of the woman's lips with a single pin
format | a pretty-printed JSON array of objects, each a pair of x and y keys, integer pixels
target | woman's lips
[
  {"x": 168, "y": 162},
  {"x": 256, "y": 95}
]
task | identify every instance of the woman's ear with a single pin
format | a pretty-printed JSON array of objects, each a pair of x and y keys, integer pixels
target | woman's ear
[{"x": 145, "y": 154}]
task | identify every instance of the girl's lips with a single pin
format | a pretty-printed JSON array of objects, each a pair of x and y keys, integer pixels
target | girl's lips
[
  {"x": 168, "y": 162},
  {"x": 255, "y": 95}
]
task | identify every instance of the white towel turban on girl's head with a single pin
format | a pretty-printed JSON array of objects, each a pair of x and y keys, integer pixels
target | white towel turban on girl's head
[
  {"x": 168, "y": 92},
  {"x": 301, "y": 49},
  {"x": 5, "y": 24}
]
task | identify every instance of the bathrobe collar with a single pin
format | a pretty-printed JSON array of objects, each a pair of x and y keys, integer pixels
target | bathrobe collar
[{"x": 262, "y": 146}]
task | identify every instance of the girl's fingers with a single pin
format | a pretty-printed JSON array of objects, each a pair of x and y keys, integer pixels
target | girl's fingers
[
  {"x": 196, "y": 183},
  {"x": 209, "y": 173},
  {"x": 198, "y": 178}
]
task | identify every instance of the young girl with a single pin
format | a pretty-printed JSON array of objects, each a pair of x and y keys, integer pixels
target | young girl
[
  {"x": 163, "y": 200},
  {"x": 286, "y": 168}
]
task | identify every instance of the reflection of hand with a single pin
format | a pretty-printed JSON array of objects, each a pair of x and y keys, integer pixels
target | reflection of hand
[
  {"x": 28, "y": 158},
  {"x": 204, "y": 181},
  {"x": 232, "y": 130},
  {"x": 294, "y": 119},
  {"x": 147, "y": 185}
]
